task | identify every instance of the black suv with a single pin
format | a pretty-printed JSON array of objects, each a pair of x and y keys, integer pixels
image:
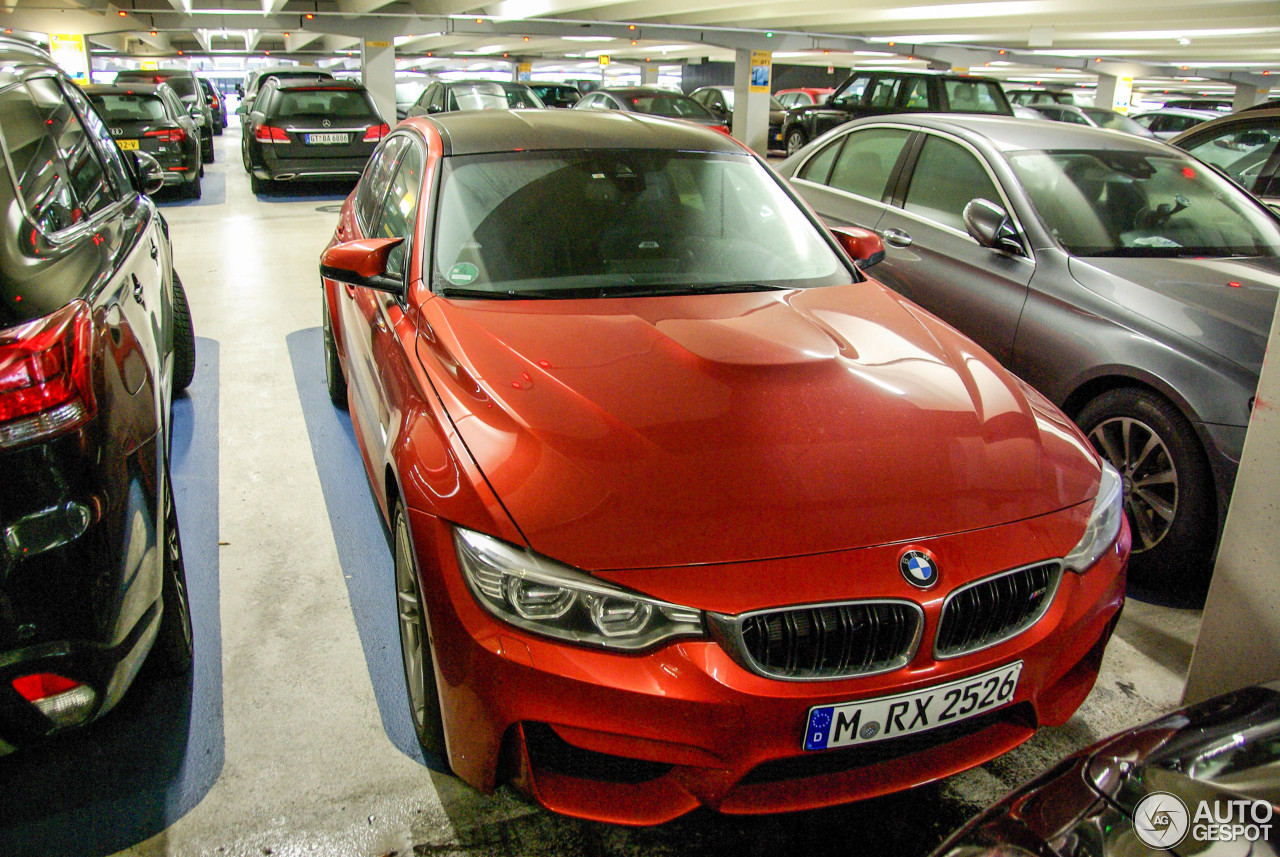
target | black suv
[
  {"x": 872, "y": 93},
  {"x": 95, "y": 338},
  {"x": 187, "y": 86}
]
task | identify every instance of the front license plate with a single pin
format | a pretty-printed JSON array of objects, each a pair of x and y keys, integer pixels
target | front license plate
[
  {"x": 908, "y": 713},
  {"x": 127, "y": 145},
  {"x": 327, "y": 139}
]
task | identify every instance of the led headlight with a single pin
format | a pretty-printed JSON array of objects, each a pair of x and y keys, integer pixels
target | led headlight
[
  {"x": 548, "y": 598},
  {"x": 1104, "y": 522}
]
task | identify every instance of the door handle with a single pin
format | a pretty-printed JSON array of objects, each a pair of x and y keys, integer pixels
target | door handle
[
  {"x": 137, "y": 290},
  {"x": 155, "y": 252},
  {"x": 896, "y": 237}
]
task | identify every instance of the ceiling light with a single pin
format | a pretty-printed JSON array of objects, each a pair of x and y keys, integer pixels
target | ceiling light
[{"x": 1184, "y": 41}]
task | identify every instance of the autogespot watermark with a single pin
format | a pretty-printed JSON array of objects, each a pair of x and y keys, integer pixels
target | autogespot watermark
[{"x": 1162, "y": 820}]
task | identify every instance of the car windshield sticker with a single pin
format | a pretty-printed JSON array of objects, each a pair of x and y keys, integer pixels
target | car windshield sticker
[{"x": 463, "y": 273}]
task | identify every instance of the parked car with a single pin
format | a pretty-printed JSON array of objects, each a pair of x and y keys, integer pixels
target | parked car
[
  {"x": 1203, "y": 780},
  {"x": 447, "y": 96},
  {"x": 216, "y": 105},
  {"x": 95, "y": 339},
  {"x": 685, "y": 509},
  {"x": 1221, "y": 105},
  {"x": 719, "y": 101},
  {"x": 297, "y": 73},
  {"x": 1168, "y": 122},
  {"x": 1128, "y": 283},
  {"x": 556, "y": 94},
  {"x": 873, "y": 93},
  {"x": 1034, "y": 97},
  {"x": 1095, "y": 117},
  {"x": 408, "y": 88},
  {"x": 187, "y": 87},
  {"x": 651, "y": 100},
  {"x": 1245, "y": 146},
  {"x": 148, "y": 117},
  {"x": 803, "y": 96},
  {"x": 306, "y": 131}
]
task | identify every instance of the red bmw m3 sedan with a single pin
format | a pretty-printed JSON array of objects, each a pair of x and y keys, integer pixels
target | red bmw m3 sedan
[{"x": 686, "y": 510}]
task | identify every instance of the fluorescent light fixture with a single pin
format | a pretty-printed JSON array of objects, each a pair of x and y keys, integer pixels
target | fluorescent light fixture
[{"x": 588, "y": 38}]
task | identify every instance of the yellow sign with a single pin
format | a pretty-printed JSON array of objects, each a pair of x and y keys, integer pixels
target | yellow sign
[
  {"x": 524, "y": 71},
  {"x": 69, "y": 53},
  {"x": 1124, "y": 91},
  {"x": 372, "y": 44},
  {"x": 761, "y": 70},
  {"x": 604, "y": 60},
  {"x": 149, "y": 65}
]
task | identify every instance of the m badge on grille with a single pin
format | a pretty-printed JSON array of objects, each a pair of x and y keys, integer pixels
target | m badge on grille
[{"x": 918, "y": 568}]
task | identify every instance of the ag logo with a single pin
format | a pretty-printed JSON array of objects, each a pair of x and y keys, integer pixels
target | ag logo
[
  {"x": 1161, "y": 820},
  {"x": 918, "y": 568}
]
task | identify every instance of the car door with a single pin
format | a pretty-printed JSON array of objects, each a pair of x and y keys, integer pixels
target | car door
[
  {"x": 931, "y": 258},
  {"x": 363, "y": 323},
  {"x": 847, "y": 181}
]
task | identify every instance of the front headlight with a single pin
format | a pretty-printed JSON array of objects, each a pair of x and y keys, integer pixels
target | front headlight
[
  {"x": 1104, "y": 522},
  {"x": 545, "y": 597}
]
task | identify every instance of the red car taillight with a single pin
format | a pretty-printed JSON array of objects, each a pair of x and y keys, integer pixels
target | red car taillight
[
  {"x": 168, "y": 135},
  {"x": 270, "y": 134},
  {"x": 45, "y": 387},
  {"x": 376, "y": 132}
]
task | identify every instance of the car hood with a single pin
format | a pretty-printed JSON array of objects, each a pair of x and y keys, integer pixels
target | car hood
[
  {"x": 633, "y": 433},
  {"x": 1194, "y": 298}
]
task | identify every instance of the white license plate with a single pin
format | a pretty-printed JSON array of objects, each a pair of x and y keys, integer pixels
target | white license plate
[
  {"x": 327, "y": 139},
  {"x": 908, "y": 713}
]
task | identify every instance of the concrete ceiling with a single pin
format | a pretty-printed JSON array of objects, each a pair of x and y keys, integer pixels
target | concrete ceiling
[{"x": 1182, "y": 44}]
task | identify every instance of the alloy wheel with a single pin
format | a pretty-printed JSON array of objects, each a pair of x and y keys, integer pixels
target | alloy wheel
[
  {"x": 413, "y": 643},
  {"x": 1150, "y": 478}
]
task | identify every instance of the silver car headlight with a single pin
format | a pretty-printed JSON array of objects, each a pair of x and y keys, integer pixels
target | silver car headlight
[
  {"x": 1104, "y": 522},
  {"x": 548, "y": 598}
]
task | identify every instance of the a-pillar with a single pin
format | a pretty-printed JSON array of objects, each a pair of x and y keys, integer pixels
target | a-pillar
[
  {"x": 1248, "y": 95},
  {"x": 1239, "y": 642},
  {"x": 750, "y": 109},
  {"x": 649, "y": 74},
  {"x": 378, "y": 72}
]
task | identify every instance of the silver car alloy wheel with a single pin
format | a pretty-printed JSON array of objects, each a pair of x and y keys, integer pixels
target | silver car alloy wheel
[
  {"x": 413, "y": 641},
  {"x": 1150, "y": 478}
]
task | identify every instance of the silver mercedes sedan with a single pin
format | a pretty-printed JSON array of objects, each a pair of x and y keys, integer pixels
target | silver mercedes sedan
[{"x": 1128, "y": 281}]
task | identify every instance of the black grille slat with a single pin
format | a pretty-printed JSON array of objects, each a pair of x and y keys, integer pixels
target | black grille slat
[
  {"x": 993, "y": 610},
  {"x": 831, "y": 640}
]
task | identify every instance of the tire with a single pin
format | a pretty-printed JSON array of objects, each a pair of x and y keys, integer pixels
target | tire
[
  {"x": 184, "y": 339},
  {"x": 173, "y": 650},
  {"x": 796, "y": 140},
  {"x": 1169, "y": 495},
  {"x": 192, "y": 189},
  {"x": 334, "y": 379},
  {"x": 206, "y": 149},
  {"x": 258, "y": 185},
  {"x": 217, "y": 129},
  {"x": 415, "y": 645}
]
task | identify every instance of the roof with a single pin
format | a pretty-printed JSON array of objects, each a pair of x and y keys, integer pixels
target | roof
[
  {"x": 140, "y": 87},
  {"x": 472, "y": 132},
  {"x": 313, "y": 84},
  {"x": 1010, "y": 134}
]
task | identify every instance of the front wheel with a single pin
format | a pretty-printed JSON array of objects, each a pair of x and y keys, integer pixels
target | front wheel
[
  {"x": 334, "y": 379},
  {"x": 796, "y": 139},
  {"x": 415, "y": 646},
  {"x": 1168, "y": 490}
]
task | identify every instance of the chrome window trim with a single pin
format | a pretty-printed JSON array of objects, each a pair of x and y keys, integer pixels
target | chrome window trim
[{"x": 1055, "y": 583}]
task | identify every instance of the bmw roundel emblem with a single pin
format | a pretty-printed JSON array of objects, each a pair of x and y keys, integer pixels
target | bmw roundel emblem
[{"x": 919, "y": 569}]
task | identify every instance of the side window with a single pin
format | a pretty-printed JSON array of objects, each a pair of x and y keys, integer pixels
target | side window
[
  {"x": 1241, "y": 154},
  {"x": 84, "y": 168},
  {"x": 1151, "y": 120},
  {"x": 400, "y": 207},
  {"x": 885, "y": 92},
  {"x": 117, "y": 172},
  {"x": 947, "y": 176},
  {"x": 818, "y": 168},
  {"x": 973, "y": 96},
  {"x": 915, "y": 94},
  {"x": 373, "y": 183},
  {"x": 436, "y": 102},
  {"x": 853, "y": 94},
  {"x": 867, "y": 160}
]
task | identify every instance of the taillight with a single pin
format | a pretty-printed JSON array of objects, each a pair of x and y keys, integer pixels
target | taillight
[
  {"x": 376, "y": 132},
  {"x": 270, "y": 134},
  {"x": 168, "y": 135},
  {"x": 45, "y": 388},
  {"x": 64, "y": 701}
]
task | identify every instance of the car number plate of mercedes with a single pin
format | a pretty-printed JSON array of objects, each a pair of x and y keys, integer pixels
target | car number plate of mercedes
[
  {"x": 870, "y": 720},
  {"x": 326, "y": 139}
]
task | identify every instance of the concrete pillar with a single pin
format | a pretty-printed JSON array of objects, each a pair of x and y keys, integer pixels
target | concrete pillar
[
  {"x": 1106, "y": 92},
  {"x": 1239, "y": 642},
  {"x": 378, "y": 72},
  {"x": 649, "y": 74},
  {"x": 750, "y": 109},
  {"x": 1248, "y": 95}
]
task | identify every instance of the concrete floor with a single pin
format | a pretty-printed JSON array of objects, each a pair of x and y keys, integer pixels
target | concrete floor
[{"x": 308, "y": 767}]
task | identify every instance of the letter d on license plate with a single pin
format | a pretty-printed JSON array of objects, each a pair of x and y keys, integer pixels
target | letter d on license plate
[{"x": 908, "y": 713}]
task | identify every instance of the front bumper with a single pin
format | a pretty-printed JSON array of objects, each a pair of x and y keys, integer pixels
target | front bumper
[{"x": 644, "y": 738}]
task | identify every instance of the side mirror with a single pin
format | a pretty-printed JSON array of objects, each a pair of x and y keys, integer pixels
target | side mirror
[
  {"x": 990, "y": 226},
  {"x": 434, "y": 108},
  {"x": 148, "y": 171},
  {"x": 862, "y": 245},
  {"x": 362, "y": 263}
]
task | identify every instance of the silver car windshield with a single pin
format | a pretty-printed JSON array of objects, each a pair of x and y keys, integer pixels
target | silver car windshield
[
  {"x": 1117, "y": 203},
  {"x": 608, "y": 223}
]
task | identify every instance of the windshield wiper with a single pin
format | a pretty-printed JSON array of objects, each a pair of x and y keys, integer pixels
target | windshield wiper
[
  {"x": 646, "y": 290},
  {"x": 508, "y": 295}
]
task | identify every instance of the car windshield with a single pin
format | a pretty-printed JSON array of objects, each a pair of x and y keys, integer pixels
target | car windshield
[
  {"x": 330, "y": 103},
  {"x": 1117, "y": 203},
  {"x": 183, "y": 84},
  {"x": 128, "y": 107},
  {"x": 662, "y": 104},
  {"x": 1113, "y": 120},
  {"x": 604, "y": 223},
  {"x": 492, "y": 96}
]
